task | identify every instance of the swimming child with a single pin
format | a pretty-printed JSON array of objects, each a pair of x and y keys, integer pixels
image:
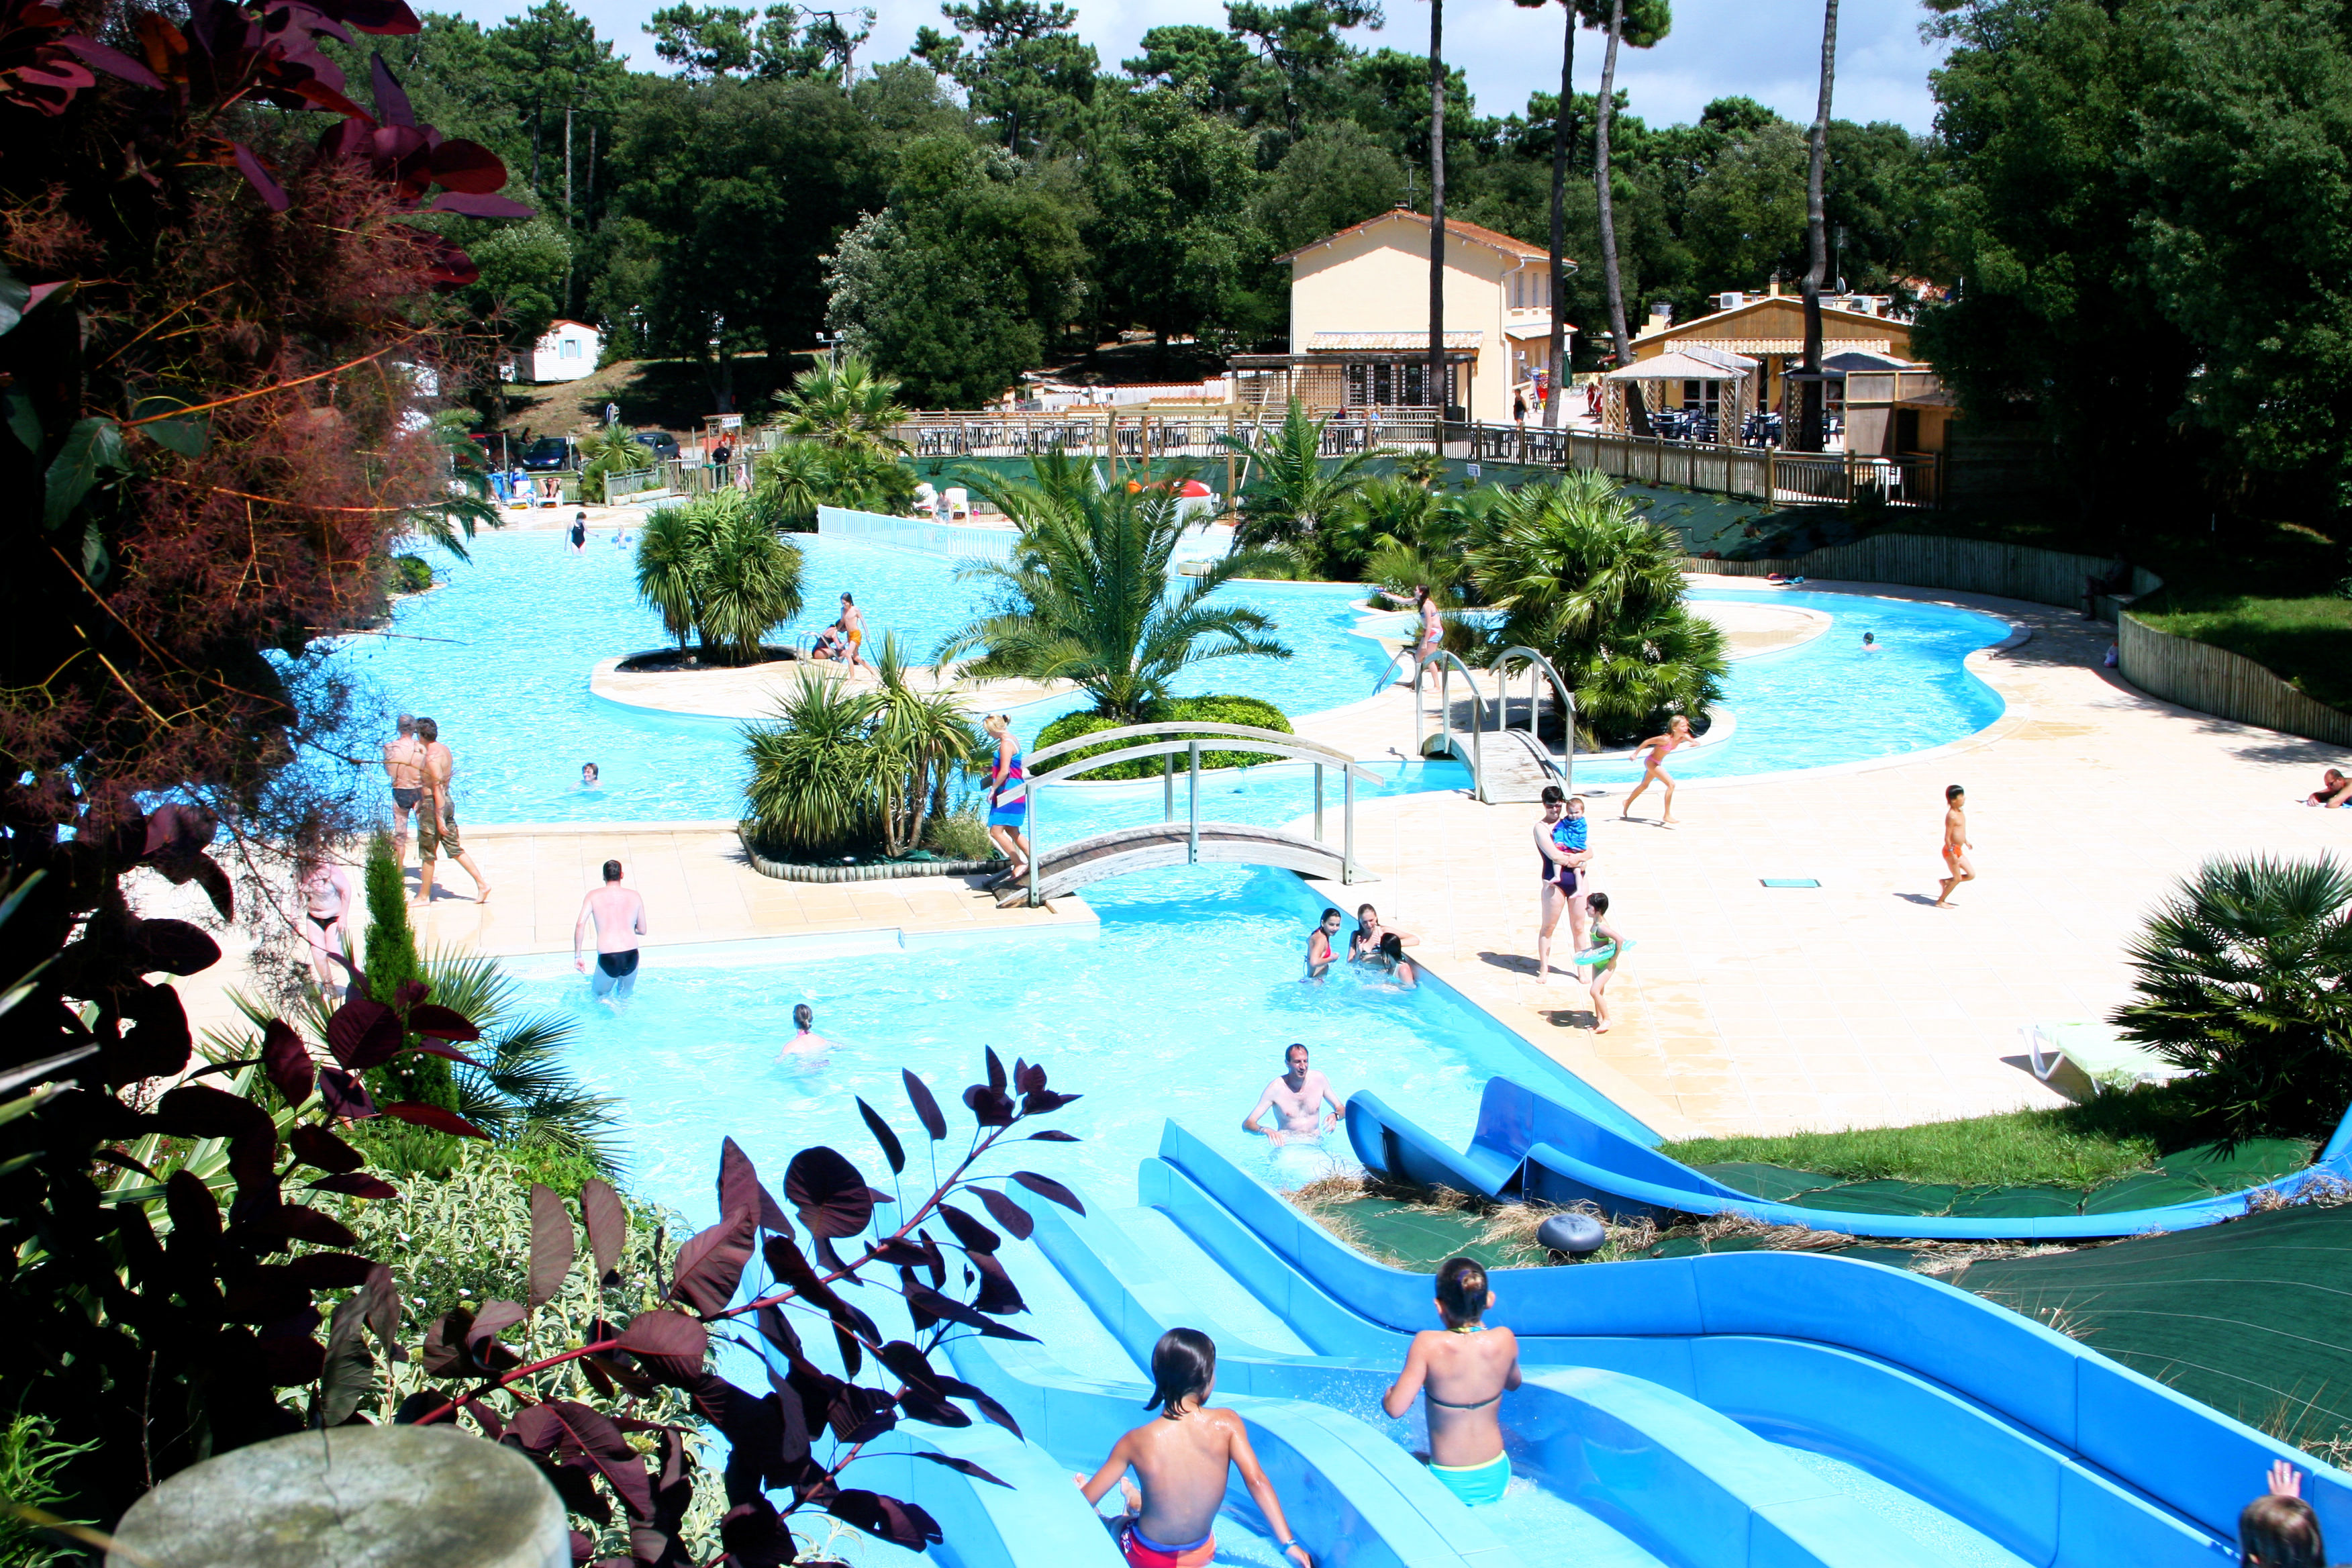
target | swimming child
[
  {"x": 1463, "y": 1371},
  {"x": 1603, "y": 934},
  {"x": 1869, "y": 642},
  {"x": 588, "y": 775},
  {"x": 1320, "y": 954},
  {"x": 806, "y": 1040},
  {"x": 1180, "y": 1458},
  {"x": 1393, "y": 960}
]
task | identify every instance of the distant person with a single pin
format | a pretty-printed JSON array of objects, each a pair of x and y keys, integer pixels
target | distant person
[
  {"x": 806, "y": 1040},
  {"x": 621, "y": 534},
  {"x": 326, "y": 897},
  {"x": 1432, "y": 629},
  {"x": 578, "y": 534},
  {"x": 1181, "y": 1460},
  {"x": 1869, "y": 643},
  {"x": 589, "y": 777},
  {"x": 1392, "y": 959},
  {"x": 1320, "y": 953},
  {"x": 404, "y": 764},
  {"x": 1462, "y": 1371},
  {"x": 1519, "y": 408},
  {"x": 612, "y": 414},
  {"x": 1297, "y": 1098},
  {"x": 1562, "y": 854},
  {"x": 1007, "y": 812},
  {"x": 1605, "y": 935},
  {"x": 1364, "y": 942},
  {"x": 853, "y": 629},
  {"x": 436, "y": 820},
  {"x": 2334, "y": 789},
  {"x": 2279, "y": 1530},
  {"x": 1652, "y": 755},
  {"x": 1956, "y": 845},
  {"x": 829, "y": 643},
  {"x": 618, "y": 916}
]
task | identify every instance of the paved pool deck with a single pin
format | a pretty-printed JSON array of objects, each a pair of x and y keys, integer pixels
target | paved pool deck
[{"x": 1742, "y": 1008}]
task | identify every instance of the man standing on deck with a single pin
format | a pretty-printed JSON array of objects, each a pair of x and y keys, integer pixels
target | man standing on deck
[
  {"x": 1297, "y": 1098},
  {"x": 619, "y": 917},
  {"x": 404, "y": 764},
  {"x": 436, "y": 821}
]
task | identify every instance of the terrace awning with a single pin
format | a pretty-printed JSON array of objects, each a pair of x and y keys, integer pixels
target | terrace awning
[{"x": 1673, "y": 367}]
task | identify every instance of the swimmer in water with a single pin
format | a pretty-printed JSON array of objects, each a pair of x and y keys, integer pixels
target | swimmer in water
[
  {"x": 1320, "y": 953},
  {"x": 1653, "y": 753},
  {"x": 588, "y": 775},
  {"x": 1463, "y": 1371},
  {"x": 1183, "y": 1459},
  {"x": 1296, "y": 1100},
  {"x": 806, "y": 1041},
  {"x": 1393, "y": 960},
  {"x": 1869, "y": 643}
]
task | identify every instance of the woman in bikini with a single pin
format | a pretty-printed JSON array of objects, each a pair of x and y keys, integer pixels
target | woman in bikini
[
  {"x": 1463, "y": 1371},
  {"x": 1364, "y": 946},
  {"x": 1653, "y": 753},
  {"x": 1005, "y": 816},
  {"x": 326, "y": 889},
  {"x": 1556, "y": 862},
  {"x": 1432, "y": 629},
  {"x": 1181, "y": 1459}
]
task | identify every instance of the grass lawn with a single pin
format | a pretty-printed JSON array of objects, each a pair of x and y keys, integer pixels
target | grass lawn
[
  {"x": 2305, "y": 641},
  {"x": 2113, "y": 1135}
]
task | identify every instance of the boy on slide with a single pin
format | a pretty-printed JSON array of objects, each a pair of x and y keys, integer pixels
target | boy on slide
[
  {"x": 1463, "y": 1370},
  {"x": 1181, "y": 1459}
]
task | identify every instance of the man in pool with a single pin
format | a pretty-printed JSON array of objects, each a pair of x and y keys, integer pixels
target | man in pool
[
  {"x": 1297, "y": 1098},
  {"x": 1463, "y": 1371},
  {"x": 619, "y": 917},
  {"x": 1321, "y": 944},
  {"x": 1956, "y": 845},
  {"x": 404, "y": 764}
]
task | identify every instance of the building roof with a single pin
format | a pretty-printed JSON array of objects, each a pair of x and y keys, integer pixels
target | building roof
[
  {"x": 568, "y": 321},
  {"x": 1338, "y": 343},
  {"x": 1477, "y": 234},
  {"x": 1712, "y": 329},
  {"x": 1676, "y": 367}
]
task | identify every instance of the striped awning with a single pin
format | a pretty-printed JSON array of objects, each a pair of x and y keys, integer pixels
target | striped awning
[{"x": 1385, "y": 342}]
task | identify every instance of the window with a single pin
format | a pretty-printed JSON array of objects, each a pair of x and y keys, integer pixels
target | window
[
  {"x": 1384, "y": 386},
  {"x": 1360, "y": 385},
  {"x": 570, "y": 348},
  {"x": 1414, "y": 375}
]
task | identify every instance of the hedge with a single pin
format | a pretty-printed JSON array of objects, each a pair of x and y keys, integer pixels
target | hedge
[{"x": 1211, "y": 709}]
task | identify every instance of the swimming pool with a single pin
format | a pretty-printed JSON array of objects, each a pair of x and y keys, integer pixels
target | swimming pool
[{"x": 500, "y": 655}]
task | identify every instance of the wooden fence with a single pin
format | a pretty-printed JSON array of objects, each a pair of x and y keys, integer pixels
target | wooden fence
[
  {"x": 2215, "y": 680},
  {"x": 1758, "y": 473},
  {"x": 1145, "y": 435},
  {"x": 1933, "y": 560}
]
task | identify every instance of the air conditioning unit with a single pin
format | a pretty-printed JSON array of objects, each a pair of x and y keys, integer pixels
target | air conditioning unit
[{"x": 1730, "y": 301}]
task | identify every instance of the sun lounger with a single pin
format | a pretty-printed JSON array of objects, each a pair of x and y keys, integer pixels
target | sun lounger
[{"x": 2098, "y": 1051}]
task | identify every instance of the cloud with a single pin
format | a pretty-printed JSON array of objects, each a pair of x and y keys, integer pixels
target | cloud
[{"x": 1766, "y": 49}]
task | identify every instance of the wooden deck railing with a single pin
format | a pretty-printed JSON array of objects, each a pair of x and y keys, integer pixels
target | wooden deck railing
[
  {"x": 1758, "y": 473},
  {"x": 954, "y": 434}
]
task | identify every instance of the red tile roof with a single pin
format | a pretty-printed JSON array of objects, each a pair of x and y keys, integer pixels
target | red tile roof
[{"x": 1475, "y": 232}]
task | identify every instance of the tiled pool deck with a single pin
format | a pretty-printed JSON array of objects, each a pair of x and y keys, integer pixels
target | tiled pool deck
[{"x": 1743, "y": 1007}]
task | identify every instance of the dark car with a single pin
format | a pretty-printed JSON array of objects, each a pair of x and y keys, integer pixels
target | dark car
[
  {"x": 663, "y": 443},
  {"x": 549, "y": 452}
]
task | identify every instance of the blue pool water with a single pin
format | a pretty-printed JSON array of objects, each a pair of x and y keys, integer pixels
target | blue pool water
[{"x": 500, "y": 655}]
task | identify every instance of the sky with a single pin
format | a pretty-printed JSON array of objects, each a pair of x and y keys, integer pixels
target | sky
[{"x": 1765, "y": 49}]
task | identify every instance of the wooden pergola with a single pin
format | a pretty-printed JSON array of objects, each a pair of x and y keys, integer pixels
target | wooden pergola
[{"x": 1733, "y": 373}]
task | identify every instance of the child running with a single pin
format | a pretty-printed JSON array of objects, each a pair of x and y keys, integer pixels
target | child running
[
  {"x": 1180, "y": 1458},
  {"x": 1956, "y": 845},
  {"x": 1463, "y": 1370},
  {"x": 1604, "y": 935},
  {"x": 1653, "y": 753}
]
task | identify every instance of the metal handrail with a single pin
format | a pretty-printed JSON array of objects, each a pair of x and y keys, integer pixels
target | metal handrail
[
  {"x": 1321, "y": 756},
  {"x": 1330, "y": 753},
  {"x": 1441, "y": 659},
  {"x": 1536, "y": 662}
]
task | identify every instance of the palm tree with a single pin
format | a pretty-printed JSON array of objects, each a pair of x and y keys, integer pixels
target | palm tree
[
  {"x": 1584, "y": 579},
  {"x": 843, "y": 406},
  {"x": 1293, "y": 491},
  {"x": 1394, "y": 509},
  {"x": 669, "y": 556},
  {"x": 1809, "y": 416},
  {"x": 1437, "y": 209},
  {"x": 922, "y": 739},
  {"x": 793, "y": 481},
  {"x": 612, "y": 450},
  {"x": 1086, "y": 597},
  {"x": 813, "y": 770},
  {"x": 2244, "y": 977},
  {"x": 714, "y": 566}
]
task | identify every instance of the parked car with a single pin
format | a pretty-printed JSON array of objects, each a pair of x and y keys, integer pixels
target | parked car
[
  {"x": 664, "y": 444},
  {"x": 549, "y": 452}
]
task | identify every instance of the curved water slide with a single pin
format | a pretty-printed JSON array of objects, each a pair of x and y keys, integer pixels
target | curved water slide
[{"x": 1529, "y": 1145}]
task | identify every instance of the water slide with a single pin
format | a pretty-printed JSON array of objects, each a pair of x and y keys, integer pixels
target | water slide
[
  {"x": 1751, "y": 1409},
  {"x": 1529, "y": 1145}
]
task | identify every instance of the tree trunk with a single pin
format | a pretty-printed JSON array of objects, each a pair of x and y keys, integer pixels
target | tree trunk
[
  {"x": 1811, "y": 392},
  {"x": 1600, "y": 181},
  {"x": 1562, "y": 137},
  {"x": 1437, "y": 211}
]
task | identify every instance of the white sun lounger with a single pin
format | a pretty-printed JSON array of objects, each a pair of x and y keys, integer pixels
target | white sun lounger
[{"x": 2099, "y": 1053}]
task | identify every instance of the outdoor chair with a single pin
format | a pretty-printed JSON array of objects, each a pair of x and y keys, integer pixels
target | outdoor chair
[{"x": 2098, "y": 1051}]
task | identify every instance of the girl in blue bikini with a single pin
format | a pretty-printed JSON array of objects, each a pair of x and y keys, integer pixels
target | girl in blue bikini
[{"x": 1463, "y": 1371}]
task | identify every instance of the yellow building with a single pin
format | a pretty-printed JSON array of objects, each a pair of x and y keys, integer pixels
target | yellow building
[{"x": 1359, "y": 320}]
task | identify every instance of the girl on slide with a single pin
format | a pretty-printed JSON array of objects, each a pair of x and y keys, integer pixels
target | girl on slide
[
  {"x": 1181, "y": 1459},
  {"x": 1653, "y": 753}
]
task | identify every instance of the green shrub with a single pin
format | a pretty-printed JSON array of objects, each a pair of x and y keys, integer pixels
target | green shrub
[
  {"x": 960, "y": 833},
  {"x": 410, "y": 575},
  {"x": 389, "y": 960},
  {"x": 30, "y": 1457},
  {"x": 1210, "y": 710}
]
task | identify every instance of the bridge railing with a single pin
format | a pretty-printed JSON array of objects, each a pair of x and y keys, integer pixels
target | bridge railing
[
  {"x": 1175, "y": 739},
  {"x": 1538, "y": 665},
  {"x": 1446, "y": 664}
]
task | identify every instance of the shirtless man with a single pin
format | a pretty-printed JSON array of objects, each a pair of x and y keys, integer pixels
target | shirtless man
[
  {"x": 1955, "y": 844},
  {"x": 1463, "y": 1370},
  {"x": 404, "y": 764},
  {"x": 1297, "y": 1098},
  {"x": 1321, "y": 945},
  {"x": 619, "y": 917},
  {"x": 437, "y": 822},
  {"x": 852, "y": 627},
  {"x": 2334, "y": 790}
]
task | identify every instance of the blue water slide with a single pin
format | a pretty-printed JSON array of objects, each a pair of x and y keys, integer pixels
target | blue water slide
[
  {"x": 1529, "y": 1145},
  {"x": 2034, "y": 1442}
]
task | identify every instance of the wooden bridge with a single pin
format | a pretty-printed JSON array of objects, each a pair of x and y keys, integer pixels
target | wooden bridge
[{"x": 1068, "y": 866}]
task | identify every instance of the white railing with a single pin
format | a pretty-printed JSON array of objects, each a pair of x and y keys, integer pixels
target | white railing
[{"x": 955, "y": 540}]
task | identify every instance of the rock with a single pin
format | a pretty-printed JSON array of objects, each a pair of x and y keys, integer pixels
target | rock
[
  {"x": 353, "y": 1497},
  {"x": 1574, "y": 1234}
]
